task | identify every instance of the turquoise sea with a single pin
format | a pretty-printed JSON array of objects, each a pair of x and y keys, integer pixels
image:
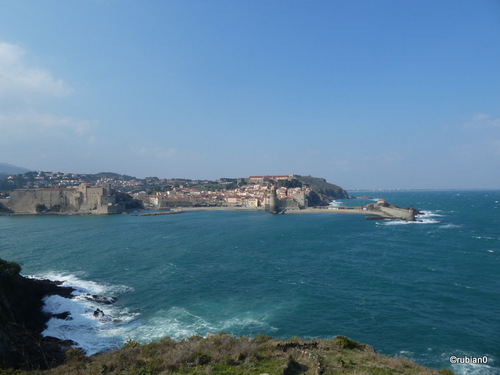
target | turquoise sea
[{"x": 426, "y": 290}]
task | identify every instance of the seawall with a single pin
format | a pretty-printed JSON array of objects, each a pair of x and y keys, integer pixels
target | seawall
[{"x": 393, "y": 212}]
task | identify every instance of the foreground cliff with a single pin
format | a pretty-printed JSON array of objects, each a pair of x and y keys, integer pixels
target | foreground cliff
[
  {"x": 22, "y": 321},
  {"x": 226, "y": 354}
]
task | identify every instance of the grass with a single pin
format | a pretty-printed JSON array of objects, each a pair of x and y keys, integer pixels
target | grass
[{"x": 226, "y": 354}]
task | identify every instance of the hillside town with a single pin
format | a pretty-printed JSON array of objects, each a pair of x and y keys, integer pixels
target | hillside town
[
  {"x": 37, "y": 192},
  {"x": 111, "y": 193},
  {"x": 254, "y": 194}
]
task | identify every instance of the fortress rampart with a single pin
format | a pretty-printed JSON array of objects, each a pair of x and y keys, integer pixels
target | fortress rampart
[{"x": 81, "y": 200}]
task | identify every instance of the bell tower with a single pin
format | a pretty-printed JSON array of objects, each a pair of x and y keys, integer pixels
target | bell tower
[{"x": 273, "y": 201}]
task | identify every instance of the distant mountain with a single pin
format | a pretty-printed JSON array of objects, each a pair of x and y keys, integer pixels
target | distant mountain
[{"x": 9, "y": 169}]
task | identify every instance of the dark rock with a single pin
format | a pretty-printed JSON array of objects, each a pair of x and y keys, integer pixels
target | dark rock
[
  {"x": 100, "y": 299},
  {"x": 63, "y": 316},
  {"x": 22, "y": 321}
]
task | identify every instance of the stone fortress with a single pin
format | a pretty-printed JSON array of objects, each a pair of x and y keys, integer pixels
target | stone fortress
[
  {"x": 83, "y": 199},
  {"x": 292, "y": 202}
]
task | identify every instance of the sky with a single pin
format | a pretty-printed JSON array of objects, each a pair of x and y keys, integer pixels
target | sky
[{"x": 382, "y": 94}]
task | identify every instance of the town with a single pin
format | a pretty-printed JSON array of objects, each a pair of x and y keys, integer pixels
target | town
[{"x": 104, "y": 193}]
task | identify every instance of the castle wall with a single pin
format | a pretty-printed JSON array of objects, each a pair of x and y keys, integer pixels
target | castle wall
[
  {"x": 26, "y": 200},
  {"x": 82, "y": 200}
]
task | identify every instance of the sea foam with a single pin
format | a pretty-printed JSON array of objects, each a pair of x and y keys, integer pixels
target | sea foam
[
  {"x": 90, "y": 319},
  {"x": 179, "y": 322},
  {"x": 425, "y": 217}
]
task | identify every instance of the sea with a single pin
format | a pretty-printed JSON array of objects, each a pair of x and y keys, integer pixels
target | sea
[{"x": 427, "y": 290}]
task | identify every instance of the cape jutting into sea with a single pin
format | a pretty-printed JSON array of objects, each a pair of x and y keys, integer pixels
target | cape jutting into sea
[{"x": 427, "y": 290}]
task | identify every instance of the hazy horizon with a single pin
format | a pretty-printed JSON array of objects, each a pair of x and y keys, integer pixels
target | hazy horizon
[
  {"x": 354, "y": 189},
  {"x": 368, "y": 95}
]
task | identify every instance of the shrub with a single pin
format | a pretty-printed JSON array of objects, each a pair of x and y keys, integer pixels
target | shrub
[
  {"x": 9, "y": 269},
  {"x": 201, "y": 359},
  {"x": 346, "y": 343},
  {"x": 9, "y": 371},
  {"x": 131, "y": 344},
  {"x": 75, "y": 355},
  {"x": 103, "y": 369},
  {"x": 260, "y": 339}
]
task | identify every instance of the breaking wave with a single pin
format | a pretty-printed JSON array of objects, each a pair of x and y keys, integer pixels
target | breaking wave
[
  {"x": 90, "y": 318},
  {"x": 426, "y": 217}
]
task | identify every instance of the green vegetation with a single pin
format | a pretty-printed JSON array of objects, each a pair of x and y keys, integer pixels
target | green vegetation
[
  {"x": 289, "y": 184},
  {"x": 346, "y": 343},
  {"x": 325, "y": 190},
  {"x": 9, "y": 269},
  {"x": 225, "y": 354},
  {"x": 128, "y": 202}
]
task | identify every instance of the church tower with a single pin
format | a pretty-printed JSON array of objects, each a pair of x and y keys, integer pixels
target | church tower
[{"x": 273, "y": 201}]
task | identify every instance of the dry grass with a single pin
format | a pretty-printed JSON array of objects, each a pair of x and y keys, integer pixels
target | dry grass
[{"x": 225, "y": 354}]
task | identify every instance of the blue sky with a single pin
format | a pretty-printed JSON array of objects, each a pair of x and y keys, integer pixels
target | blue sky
[{"x": 368, "y": 94}]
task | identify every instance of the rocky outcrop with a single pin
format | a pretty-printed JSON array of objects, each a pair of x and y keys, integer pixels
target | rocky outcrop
[
  {"x": 324, "y": 192},
  {"x": 22, "y": 321}
]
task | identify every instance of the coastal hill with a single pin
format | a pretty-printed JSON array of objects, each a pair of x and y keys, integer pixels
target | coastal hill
[
  {"x": 8, "y": 169},
  {"x": 325, "y": 191},
  {"x": 24, "y": 351}
]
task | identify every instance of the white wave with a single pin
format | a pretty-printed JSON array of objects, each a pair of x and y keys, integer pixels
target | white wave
[
  {"x": 84, "y": 286},
  {"x": 474, "y": 369},
  {"x": 175, "y": 323},
  {"x": 178, "y": 323},
  {"x": 80, "y": 326},
  {"x": 94, "y": 324},
  {"x": 460, "y": 368},
  {"x": 426, "y": 217},
  {"x": 247, "y": 322},
  {"x": 404, "y": 222},
  {"x": 426, "y": 213},
  {"x": 446, "y": 226},
  {"x": 334, "y": 203}
]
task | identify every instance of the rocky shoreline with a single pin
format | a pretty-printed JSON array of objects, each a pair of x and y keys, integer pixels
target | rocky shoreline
[{"x": 22, "y": 321}]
